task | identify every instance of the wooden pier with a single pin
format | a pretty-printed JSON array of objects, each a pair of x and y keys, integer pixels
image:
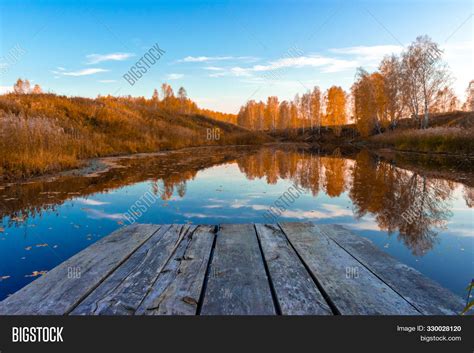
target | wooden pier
[{"x": 232, "y": 269}]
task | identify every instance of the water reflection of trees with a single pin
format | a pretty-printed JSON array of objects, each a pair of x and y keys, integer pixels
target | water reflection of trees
[
  {"x": 376, "y": 188},
  {"x": 400, "y": 200},
  {"x": 167, "y": 175}
]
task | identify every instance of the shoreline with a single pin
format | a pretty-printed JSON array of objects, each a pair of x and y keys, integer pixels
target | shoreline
[{"x": 94, "y": 167}]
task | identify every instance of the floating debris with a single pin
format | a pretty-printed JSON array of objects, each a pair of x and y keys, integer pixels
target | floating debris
[
  {"x": 2, "y": 230},
  {"x": 2, "y": 278},
  {"x": 36, "y": 273},
  {"x": 28, "y": 248},
  {"x": 41, "y": 245}
]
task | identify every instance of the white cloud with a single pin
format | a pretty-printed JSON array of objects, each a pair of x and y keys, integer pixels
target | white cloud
[
  {"x": 91, "y": 202},
  {"x": 205, "y": 59},
  {"x": 217, "y": 74},
  {"x": 327, "y": 65},
  {"x": 83, "y": 72},
  {"x": 371, "y": 52},
  {"x": 213, "y": 68},
  {"x": 97, "y": 214},
  {"x": 345, "y": 59},
  {"x": 202, "y": 59},
  {"x": 98, "y": 58},
  {"x": 174, "y": 76}
]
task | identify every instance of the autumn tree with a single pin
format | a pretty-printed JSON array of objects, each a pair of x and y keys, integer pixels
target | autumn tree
[
  {"x": 166, "y": 91},
  {"x": 424, "y": 74},
  {"x": 305, "y": 108},
  {"x": 37, "y": 89},
  {"x": 271, "y": 112},
  {"x": 284, "y": 115},
  {"x": 390, "y": 69},
  {"x": 22, "y": 87},
  {"x": 315, "y": 108},
  {"x": 469, "y": 104},
  {"x": 183, "y": 100},
  {"x": 336, "y": 108},
  {"x": 364, "y": 109},
  {"x": 155, "y": 97},
  {"x": 445, "y": 101}
]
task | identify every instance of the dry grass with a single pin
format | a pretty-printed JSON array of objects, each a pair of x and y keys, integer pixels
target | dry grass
[
  {"x": 46, "y": 133},
  {"x": 437, "y": 139}
]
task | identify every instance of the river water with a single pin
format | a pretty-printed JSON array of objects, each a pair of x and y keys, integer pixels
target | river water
[{"x": 420, "y": 212}]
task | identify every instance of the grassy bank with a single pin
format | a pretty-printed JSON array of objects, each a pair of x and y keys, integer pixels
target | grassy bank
[
  {"x": 448, "y": 133},
  {"x": 434, "y": 140},
  {"x": 44, "y": 133}
]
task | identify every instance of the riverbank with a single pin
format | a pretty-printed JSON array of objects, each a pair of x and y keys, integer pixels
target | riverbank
[{"x": 46, "y": 133}]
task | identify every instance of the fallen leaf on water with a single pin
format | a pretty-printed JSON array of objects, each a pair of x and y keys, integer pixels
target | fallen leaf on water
[
  {"x": 41, "y": 245},
  {"x": 120, "y": 222},
  {"x": 2, "y": 230},
  {"x": 36, "y": 273}
]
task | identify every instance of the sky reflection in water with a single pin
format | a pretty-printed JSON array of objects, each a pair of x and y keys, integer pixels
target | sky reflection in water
[{"x": 46, "y": 223}]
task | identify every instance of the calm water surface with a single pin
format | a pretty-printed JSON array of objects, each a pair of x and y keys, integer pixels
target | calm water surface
[{"x": 44, "y": 223}]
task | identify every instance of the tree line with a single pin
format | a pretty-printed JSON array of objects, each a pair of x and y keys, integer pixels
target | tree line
[{"x": 413, "y": 84}]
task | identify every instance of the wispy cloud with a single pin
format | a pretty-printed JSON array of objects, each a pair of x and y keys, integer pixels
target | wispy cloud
[
  {"x": 107, "y": 81},
  {"x": 368, "y": 55},
  {"x": 326, "y": 64},
  {"x": 213, "y": 68},
  {"x": 174, "y": 76},
  {"x": 91, "y": 202},
  {"x": 98, "y": 58},
  {"x": 339, "y": 60},
  {"x": 97, "y": 214},
  {"x": 83, "y": 72},
  {"x": 205, "y": 59}
]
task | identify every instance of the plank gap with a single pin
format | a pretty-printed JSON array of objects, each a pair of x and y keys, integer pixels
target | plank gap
[
  {"x": 208, "y": 270},
  {"x": 270, "y": 281},
  {"x": 325, "y": 295}
]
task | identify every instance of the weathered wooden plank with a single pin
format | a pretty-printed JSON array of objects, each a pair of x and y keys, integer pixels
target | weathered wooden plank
[
  {"x": 123, "y": 291},
  {"x": 60, "y": 289},
  {"x": 296, "y": 292},
  {"x": 178, "y": 287},
  {"x": 237, "y": 283},
  {"x": 423, "y": 293},
  {"x": 351, "y": 287}
]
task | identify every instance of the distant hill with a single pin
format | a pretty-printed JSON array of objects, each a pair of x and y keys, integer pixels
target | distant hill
[{"x": 43, "y": 133}]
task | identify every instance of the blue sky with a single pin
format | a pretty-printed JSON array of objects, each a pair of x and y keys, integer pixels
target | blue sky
[{"x": 222, "y": 52}]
